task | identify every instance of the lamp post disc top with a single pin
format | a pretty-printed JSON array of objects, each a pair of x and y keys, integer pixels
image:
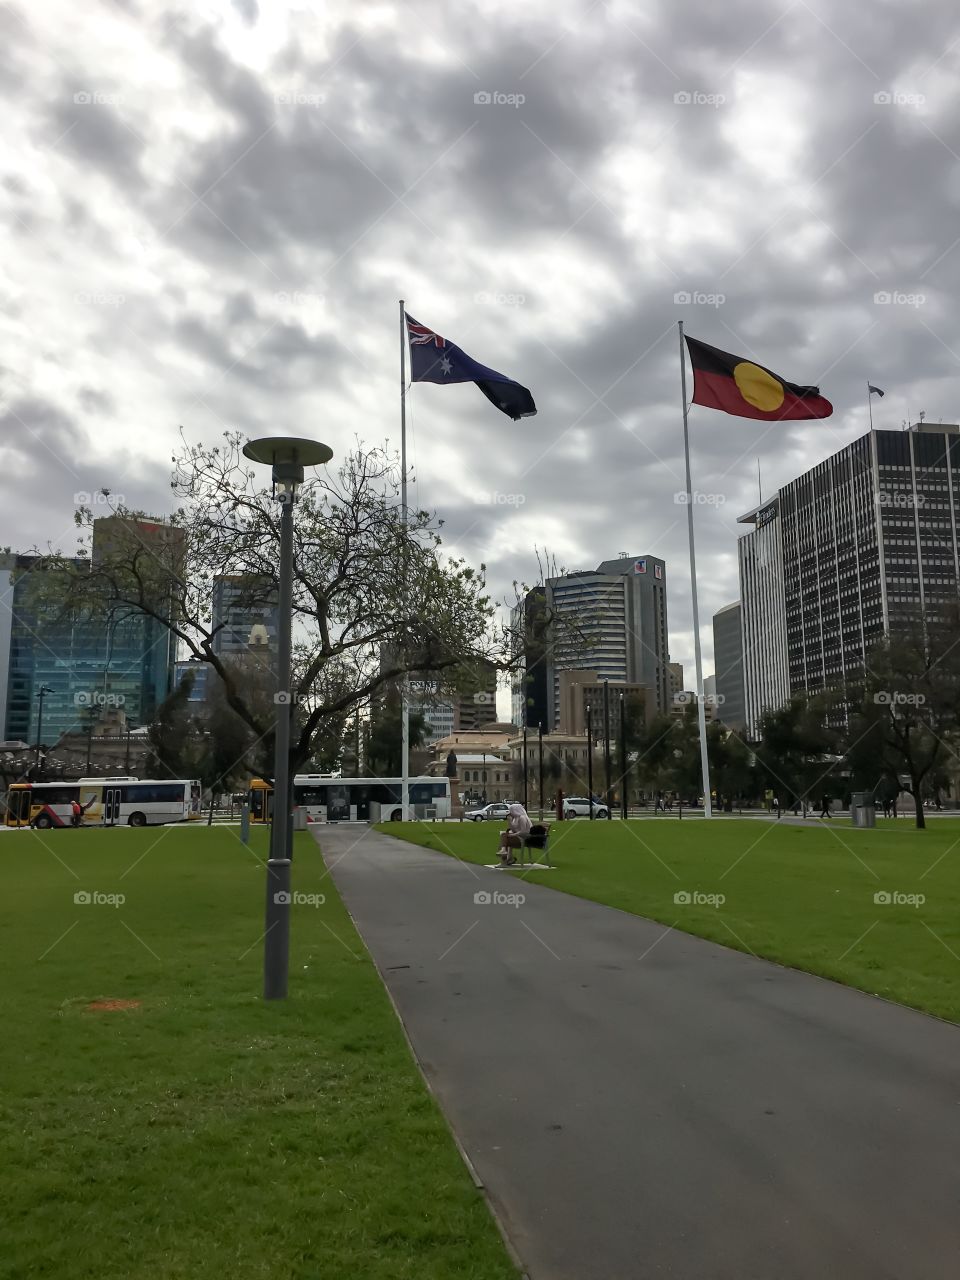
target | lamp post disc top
[{"x": 272, "y": 450}]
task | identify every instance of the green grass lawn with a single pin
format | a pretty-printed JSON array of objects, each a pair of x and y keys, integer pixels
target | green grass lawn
[
  {"x": 204, "y": 1133},
  {"x": 803, "y": 896}
]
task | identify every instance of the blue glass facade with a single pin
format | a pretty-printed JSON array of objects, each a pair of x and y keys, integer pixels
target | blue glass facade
[{"x": 85, "y": 664}]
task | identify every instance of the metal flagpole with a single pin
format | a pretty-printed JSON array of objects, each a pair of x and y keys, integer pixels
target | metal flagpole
[
  {"x": 870, "y": 404},
  {"x": 701, "y": 714},
  {"x": 405, "y": 691}
]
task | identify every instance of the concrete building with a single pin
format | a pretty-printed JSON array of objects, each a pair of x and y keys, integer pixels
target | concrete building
[
  {"x": 613, "y": 621},
  {"x": 728, "y": 662},
  {"x": 476, "y": 705},
  {"x": 448, "y": 702},
  {"x": 674, "y": 679},
  {"x": 766, "y": 678},
  {"x": 581, "y": 689},
  {"x": 860, "y": 546}
]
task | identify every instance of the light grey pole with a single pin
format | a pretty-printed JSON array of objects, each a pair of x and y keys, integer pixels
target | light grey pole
[
  {"x": 405, "y": 694},
  {"x": 704, "y": 762},
  {"x": 288, "y": 456},
  {"x": 276, "y": 943}
]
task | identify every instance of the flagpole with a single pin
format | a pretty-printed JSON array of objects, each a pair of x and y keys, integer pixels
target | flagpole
[
  {"x": 701, "y": 713},
  {"x": 405, "y": 690},
  {"x": 870, "y": 404}
]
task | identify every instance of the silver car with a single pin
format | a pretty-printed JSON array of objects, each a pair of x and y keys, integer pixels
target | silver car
[
  {"x": 498, "y": 812},
  {"x": 579, "y": 807}
]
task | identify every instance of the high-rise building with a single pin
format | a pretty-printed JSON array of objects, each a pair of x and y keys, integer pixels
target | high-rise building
[
  {"x": 611, "y": 620},
  {"x": 244, "y": 607},
  {"x": 529, "y": 703},
  {"x": 476, "y": 705},
  {"x": 85, "y": 664},
  {"x": 858, "y": 547},
  {"x": 728, "y": 665}
]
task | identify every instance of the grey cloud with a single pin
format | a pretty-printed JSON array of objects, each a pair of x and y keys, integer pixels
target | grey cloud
[{"x": 302, "y": 198}]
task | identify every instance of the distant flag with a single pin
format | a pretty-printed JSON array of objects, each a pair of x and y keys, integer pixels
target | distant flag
[
  {"x": 747, "y": 390},
  {"x": 434, "y": 359},
  {"x": 874, "y": 391}
]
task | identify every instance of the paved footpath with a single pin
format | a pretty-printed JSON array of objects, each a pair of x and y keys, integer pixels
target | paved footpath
[{"x": 640, "y": 1103}]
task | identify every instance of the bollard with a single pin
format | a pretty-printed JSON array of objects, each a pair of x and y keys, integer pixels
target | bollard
[{"x": 245, "y": 823}]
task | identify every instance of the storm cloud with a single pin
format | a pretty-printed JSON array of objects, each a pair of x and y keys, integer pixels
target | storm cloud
[{"x": 214, "y": 210}]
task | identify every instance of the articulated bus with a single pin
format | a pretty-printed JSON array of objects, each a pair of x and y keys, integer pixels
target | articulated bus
[
  {"x": 329, "y": 799},
  {"x": 107, "y": 802}
]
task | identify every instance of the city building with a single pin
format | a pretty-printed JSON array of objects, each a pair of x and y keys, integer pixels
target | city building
[
  {"x": 612, "y": 621},
  {"x": 860, "y": 546},
  {"x": 85, "y": 665},
  {"x": 244, "y": 611},
  {"x": 476, "y": 705},
  {"x": 530, "y": 704},
  {"x": 674, "y": 679},
  {"x": 428, "y": 701},
  {"x": 481, "y": 778},
  {"x": 688, "y": 697},
  {"x": 579, "y": 690},
  {"x": 728, "y": 663},
  {"x": 445, "y": 709}
]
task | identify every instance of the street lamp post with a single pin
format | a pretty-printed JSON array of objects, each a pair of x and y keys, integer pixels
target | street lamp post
[
  {"x": 540, "y": 781},
  {"x": 590, "y": 758},
  {"x": 606, "y": 742},
  {"x": 41, "y": 691},
  {"x": 623, "y": 759},
  {"x": 287, "y": 456},
  {"x": 524, "y": 761}
]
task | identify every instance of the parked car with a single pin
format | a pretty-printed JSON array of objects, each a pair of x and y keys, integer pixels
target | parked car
[
  {"x": 498, "y": 812},
  {"x": 579, "y": 807}
]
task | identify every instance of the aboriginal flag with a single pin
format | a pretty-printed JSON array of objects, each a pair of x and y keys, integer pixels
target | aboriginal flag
[{"x": 747, "y": 390}]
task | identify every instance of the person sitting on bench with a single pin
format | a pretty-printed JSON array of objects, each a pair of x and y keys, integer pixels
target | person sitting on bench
[{"x": 512, "y": 838}]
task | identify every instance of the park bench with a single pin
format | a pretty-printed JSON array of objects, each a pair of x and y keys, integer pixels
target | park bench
[{"x": 535, "y": 842}]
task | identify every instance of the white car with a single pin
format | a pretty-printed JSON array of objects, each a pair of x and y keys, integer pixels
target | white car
[
  {"x": 489, "y": 813},
  {"x": 579, "y": 807}
]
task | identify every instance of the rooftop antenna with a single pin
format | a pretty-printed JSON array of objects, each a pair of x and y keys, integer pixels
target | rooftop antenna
[{"x": 759, "y": 486}]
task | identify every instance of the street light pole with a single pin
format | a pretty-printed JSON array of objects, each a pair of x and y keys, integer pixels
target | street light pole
[
  {"x": 590, "y": 758},
  {"x": 288, "y": 457},
  {"x": 623, "y": 759},
  {"x": 41, "y": 691},
  {"x": 540, "y": 782},
  {"x": 606, "y": 742},
  {"x": 524, "y": 761}
]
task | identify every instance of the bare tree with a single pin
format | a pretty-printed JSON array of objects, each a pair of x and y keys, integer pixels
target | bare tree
[{"x": 366, "y": 582}]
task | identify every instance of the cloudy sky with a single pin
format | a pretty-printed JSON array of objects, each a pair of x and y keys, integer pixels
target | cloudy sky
[{"x": 212, "y": 210}]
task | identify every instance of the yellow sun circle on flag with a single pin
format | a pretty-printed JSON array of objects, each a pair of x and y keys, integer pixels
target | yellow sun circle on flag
[{"x": 759, "y": 388}]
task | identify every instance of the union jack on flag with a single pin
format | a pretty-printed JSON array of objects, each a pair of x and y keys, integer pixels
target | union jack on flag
[{"x": 421, "y": 336}]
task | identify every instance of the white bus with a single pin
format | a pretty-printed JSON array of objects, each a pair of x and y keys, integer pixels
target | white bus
[
  {"x": 107, "y": 802},
  {"x": 328, "y": 799}
]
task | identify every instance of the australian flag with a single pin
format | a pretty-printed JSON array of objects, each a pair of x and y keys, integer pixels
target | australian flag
[{"x": 434, "y": 359}]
